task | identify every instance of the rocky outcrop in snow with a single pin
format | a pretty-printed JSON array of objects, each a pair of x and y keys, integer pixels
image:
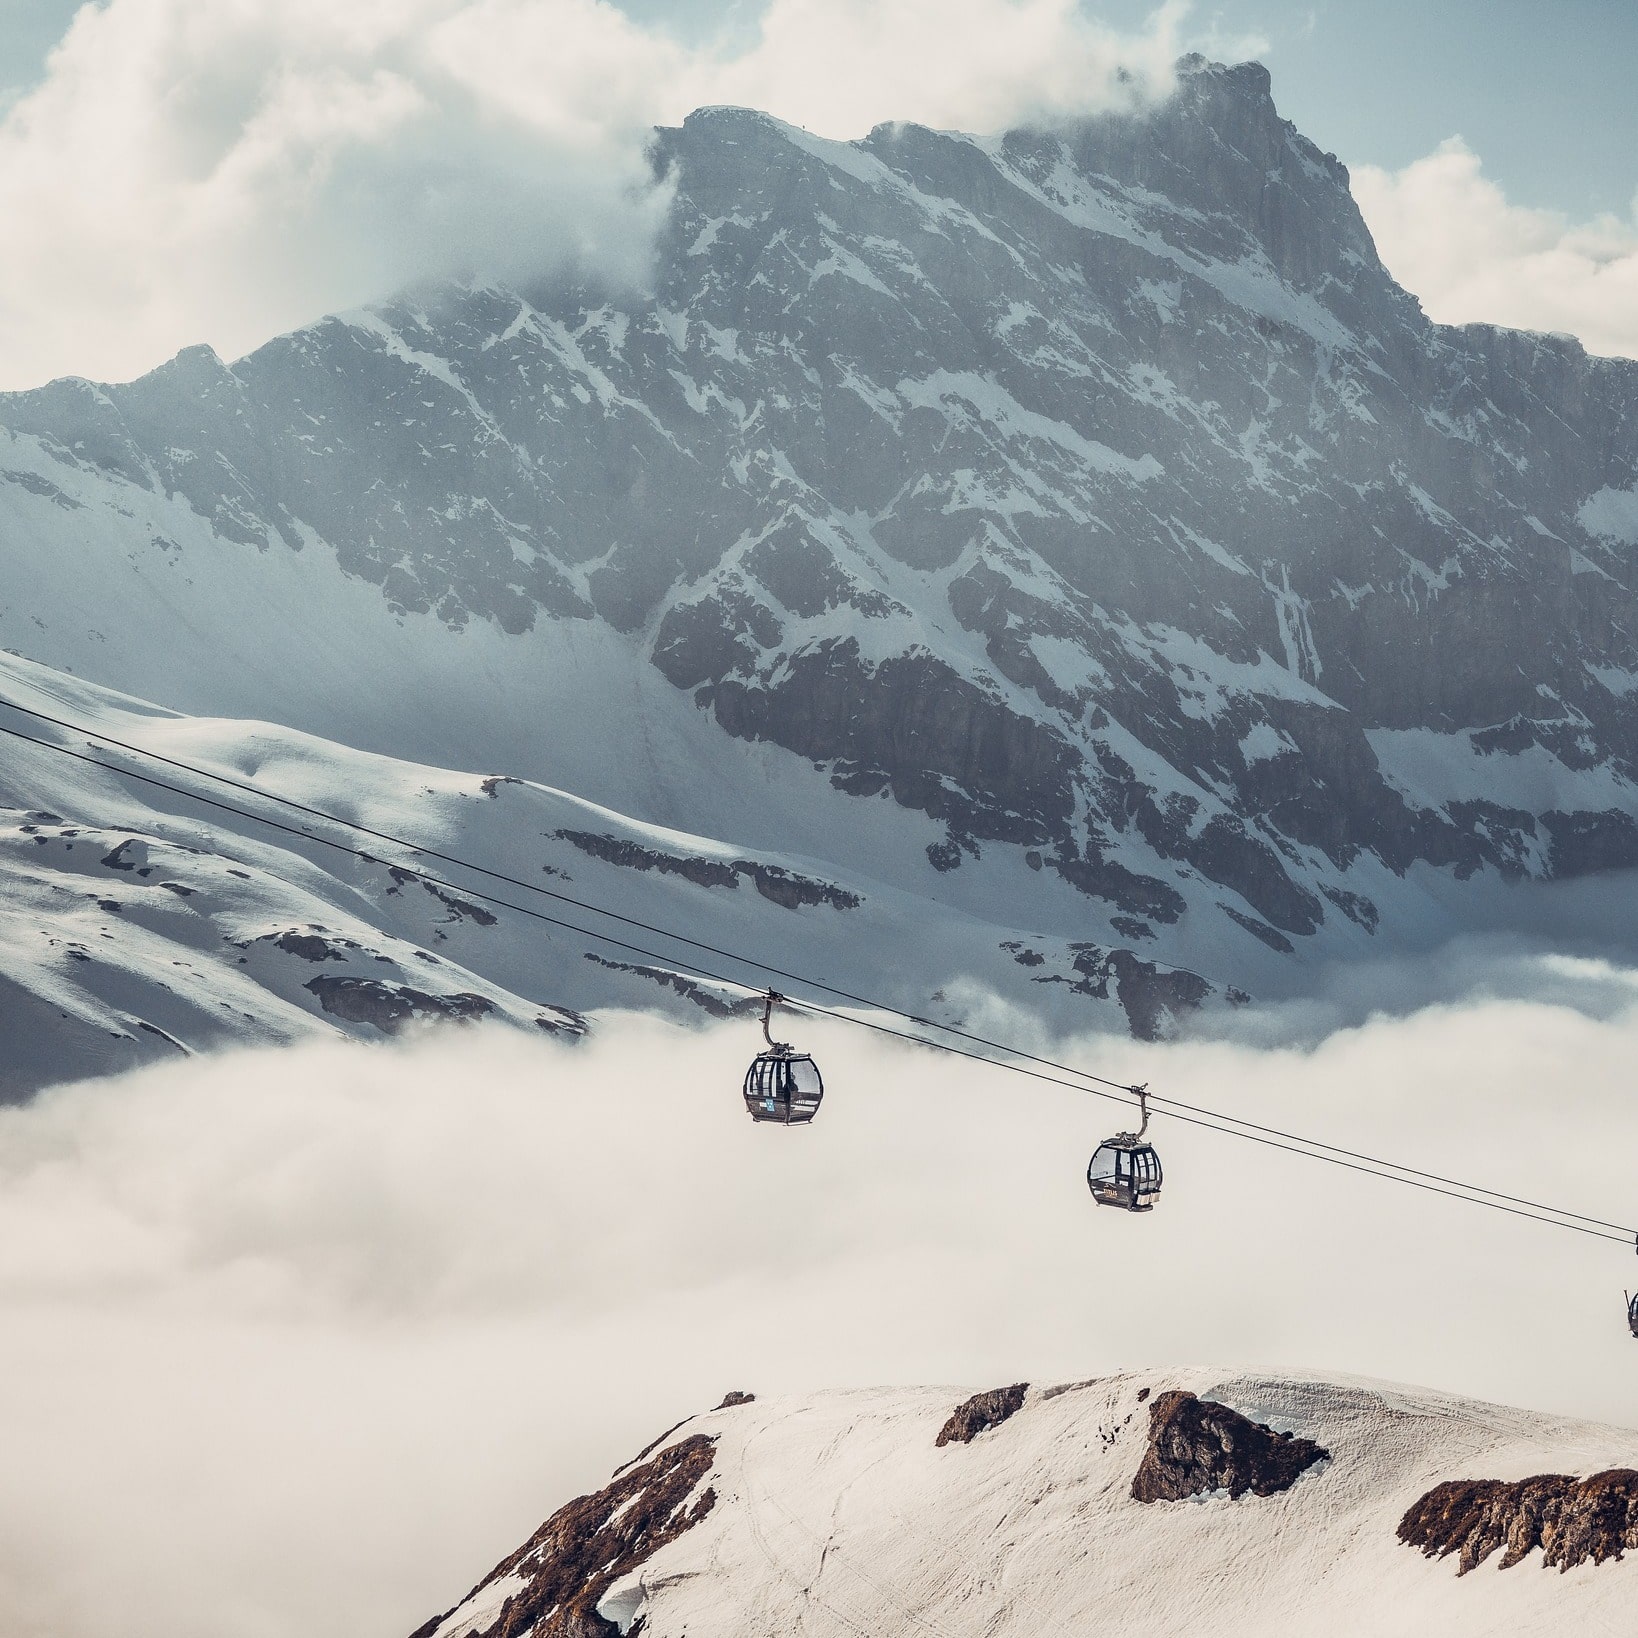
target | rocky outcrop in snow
[
  {"x": 392, "y": 1007},
  {"x": 1197, "y": 1446},
  {"x": 980, "y": 1413},
  {"x": 784, "y": 887},
  {"x": 1572, "y": 1521},
  {"x": 552, "y": 1586}
]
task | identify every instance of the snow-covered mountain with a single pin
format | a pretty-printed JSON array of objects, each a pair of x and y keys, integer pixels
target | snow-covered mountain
[
  {"x": 1160, "y": 1504},
  {"x": 1072, "y": 534}
]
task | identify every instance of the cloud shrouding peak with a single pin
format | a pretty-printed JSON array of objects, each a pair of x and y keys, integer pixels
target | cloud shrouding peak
[
  {"x": 219, "y": 170},
  {"x": 1449, "y": 234}
]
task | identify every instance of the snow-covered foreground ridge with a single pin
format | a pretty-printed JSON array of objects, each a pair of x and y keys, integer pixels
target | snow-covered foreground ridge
[{"x": 1164, "y": 1502}]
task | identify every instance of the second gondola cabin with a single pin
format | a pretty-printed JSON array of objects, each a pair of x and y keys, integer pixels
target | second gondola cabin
[{"x": 1124, "y": 1170}]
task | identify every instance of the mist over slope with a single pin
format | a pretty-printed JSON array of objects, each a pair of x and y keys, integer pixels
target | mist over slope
[{"x": 1076, "y": 519}]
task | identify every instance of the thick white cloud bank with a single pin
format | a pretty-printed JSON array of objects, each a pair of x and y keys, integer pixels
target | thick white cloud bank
[
  {"x": 1450, "y": 235},
  {"x": 303, "y": 1342},
  {"x": 219, "y": 170}
]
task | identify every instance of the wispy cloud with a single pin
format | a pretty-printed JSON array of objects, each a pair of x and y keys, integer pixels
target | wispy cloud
[
  {"x": 191, "y": 170},
  {"x": 1450, "y": 235}
]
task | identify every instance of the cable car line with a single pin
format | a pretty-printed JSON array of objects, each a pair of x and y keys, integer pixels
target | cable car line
[
  {"x": 1477, "y": 1197},
  {"x": 1169, "y": 1105},
  {"x": 1188, "y": 1114}
]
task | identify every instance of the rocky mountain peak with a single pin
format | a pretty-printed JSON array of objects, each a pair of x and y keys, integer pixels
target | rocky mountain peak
[
  {"x": 1219, "y": 146},
  {"x": 1088, "y": 498}
]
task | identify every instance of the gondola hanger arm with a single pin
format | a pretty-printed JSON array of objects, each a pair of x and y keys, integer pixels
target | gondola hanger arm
[
  {"x": 1141, "y": 1093},
  {"x": 768, "y": 1002}
]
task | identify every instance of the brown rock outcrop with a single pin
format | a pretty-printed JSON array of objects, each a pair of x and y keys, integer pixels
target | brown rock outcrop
[
  {"x": 984, "y": 1410},
  {"x": 1197, "y": 1446},
  {"x": 1571, "y": 1520},
  {"x": 573, "y": 1559}
]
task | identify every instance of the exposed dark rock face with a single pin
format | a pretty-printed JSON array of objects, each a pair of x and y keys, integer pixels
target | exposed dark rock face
[
  {"x": 170, "y": 1040},
  {"x": 633, "y": 856},
  {"x": 1100, "y": 878},
  {"x": 707, "y": 1000},
  {"x": 459, "y": 909},
  {"x": 735, "y": 1397},
  {"x": 1151, "y": 996},
  {"x": 391, "y": 1006},
  {"x": 791, "y": 891},
  {"x": 783, "y": 887},
  {"x": 1197, "y": 1446},
  {"x": 314, "y": 946},
  {"x": 583, "y": 1549},
  {"x": 984, "y": 1410},
  {"x": 1571, "y": 1520}
]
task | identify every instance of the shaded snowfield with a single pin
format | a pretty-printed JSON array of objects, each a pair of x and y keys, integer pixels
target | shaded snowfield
[
  {"x": 139, "y": 924},
  {"x": 302, "y": 1341}
]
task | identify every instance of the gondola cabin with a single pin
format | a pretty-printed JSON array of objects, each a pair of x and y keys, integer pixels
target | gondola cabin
[
  {"x": 784, "y": 1087},
  {"x": 1632, "y": 1313},
  {"x": 1125, "y": 1172}
]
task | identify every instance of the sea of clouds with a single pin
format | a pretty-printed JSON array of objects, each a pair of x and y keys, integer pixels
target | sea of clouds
[{"x": 304, "y": 1341}]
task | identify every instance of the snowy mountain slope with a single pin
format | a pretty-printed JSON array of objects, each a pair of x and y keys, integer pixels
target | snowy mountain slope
[
  {"x": 1081, "y": 516},
  {"x": 135, "y": 923},
  {"x": 866, "y": 1512}
]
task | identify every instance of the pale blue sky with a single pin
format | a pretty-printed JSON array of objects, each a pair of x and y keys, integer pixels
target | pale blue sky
[{"x": 1543, "y": 93}]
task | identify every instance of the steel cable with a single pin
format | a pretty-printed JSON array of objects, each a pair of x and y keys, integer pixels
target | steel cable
[{"x": 1102, "y": 1086}]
